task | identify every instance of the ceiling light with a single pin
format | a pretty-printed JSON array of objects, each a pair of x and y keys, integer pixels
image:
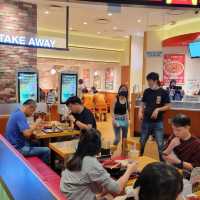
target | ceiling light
[
  {"x": 126, "y": 36},
  {"x": 70, "y": 28},
  {"x": 114, "y": 28},
  {"x": 139, "y": 21},
  {"x": 46, "y": 12},
  {"x": 96, "y": 73},
  {"x": 85, "y": 23},
  {"x": 53, "y": 71},
  {"x": 99, "y": 33},
  {"x": 110, "y": 14}
]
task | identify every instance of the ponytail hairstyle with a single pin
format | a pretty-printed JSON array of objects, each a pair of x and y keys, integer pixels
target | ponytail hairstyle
[{"x": 89, "y": 145}]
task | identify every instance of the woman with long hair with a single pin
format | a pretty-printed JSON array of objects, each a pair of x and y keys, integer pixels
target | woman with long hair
[
  {"x": 84, "y": 176},
  {"x": 120, "y": 115}
]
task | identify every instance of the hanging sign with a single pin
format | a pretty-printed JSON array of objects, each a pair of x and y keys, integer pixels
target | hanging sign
[{"x": 26, "y": 41}]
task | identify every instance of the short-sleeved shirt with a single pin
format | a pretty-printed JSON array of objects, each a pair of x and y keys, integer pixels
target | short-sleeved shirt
[
  {"x": 17, "y": 123},
  {"x": 154, "y": 99},
  {"x": 85, "y": 117},
  {"x": 85, "y": 184}
]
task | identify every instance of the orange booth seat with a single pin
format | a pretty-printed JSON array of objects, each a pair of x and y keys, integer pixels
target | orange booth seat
[
  {"x": 100, "y": 106},
  {"x": 88, "y": 102},
  {"x": 3, "y": 122}
]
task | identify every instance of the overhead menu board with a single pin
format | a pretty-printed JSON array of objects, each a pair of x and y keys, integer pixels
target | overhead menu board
[
  {"x": 68, "y": 86},
  {"x": 27, "y": 86}
]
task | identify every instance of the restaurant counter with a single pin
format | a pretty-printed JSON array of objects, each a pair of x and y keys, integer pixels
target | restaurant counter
[{"x": 191, "y": 109}]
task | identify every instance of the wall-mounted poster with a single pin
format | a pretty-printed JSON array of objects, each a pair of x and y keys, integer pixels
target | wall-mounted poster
[
  {"x": 27, "y": 86},
  {"x": 174, "y": 68},
  {"x": 97, "y": 80},
  {"x": 109, "y": 79},
  {"x": 86, "y": 77},
  {"x": 68, "y": 86}
]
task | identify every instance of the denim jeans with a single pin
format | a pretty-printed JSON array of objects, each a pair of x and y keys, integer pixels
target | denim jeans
[
  {"x": 42, "y": 152},
  {"x": 117, "y": 131},
  {"x": 152, "y": 127}
]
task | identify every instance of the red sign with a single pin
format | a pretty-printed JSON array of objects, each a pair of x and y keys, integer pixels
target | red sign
[
  {"x": 182, "y": 2},
  {"x": 173, "y": 68}
]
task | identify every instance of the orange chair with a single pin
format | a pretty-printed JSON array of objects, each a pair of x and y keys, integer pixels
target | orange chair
[
  {"x": 88, "y": 102},
  {"x": 101, "y": 108}
]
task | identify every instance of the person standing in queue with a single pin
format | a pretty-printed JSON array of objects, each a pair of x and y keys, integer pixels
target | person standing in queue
[
  {"x": 154, "y": 102},
  {"x": 120, "y": 115},
  {"x": 81, "y": 117},
  {"x": 19, "y": 133}
]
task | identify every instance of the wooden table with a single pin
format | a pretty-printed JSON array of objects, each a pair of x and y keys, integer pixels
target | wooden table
[
  {"x": 64, "y": 149},
  {"x": 42, "y": 135}
]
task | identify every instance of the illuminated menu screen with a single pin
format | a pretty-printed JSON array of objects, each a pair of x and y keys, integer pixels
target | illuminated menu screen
[
  {"x": 68, "y": 87},
  {"x": 182, "y": 2},
  {"x": 27, "y": 86}
]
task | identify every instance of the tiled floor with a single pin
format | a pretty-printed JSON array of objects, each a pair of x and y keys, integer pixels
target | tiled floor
[{"x": 108, "y": 135}]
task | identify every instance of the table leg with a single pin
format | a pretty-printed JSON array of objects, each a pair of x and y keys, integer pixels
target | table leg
[{"x": 52, "y": 160}]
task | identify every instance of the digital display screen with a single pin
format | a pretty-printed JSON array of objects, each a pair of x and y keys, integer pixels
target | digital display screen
[
  {"x": 194, "y": 49},
  {"x": 68, "y": 86},
  {"x": 27, "y": 86},
  {"x": 182, "y": 2}
]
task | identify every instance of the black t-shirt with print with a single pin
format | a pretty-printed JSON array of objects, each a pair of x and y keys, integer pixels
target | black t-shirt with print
[
  {"x": 86, "y": 117},
  {"x": 154, "y": 99}
]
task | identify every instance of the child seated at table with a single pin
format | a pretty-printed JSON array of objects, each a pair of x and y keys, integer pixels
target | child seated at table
[{"x": 84, "y": 176}]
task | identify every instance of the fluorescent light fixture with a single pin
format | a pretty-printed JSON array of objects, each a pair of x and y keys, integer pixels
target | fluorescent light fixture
[
  {"x": 110, "y": 14},
  {"x": 85, "y": 23}
]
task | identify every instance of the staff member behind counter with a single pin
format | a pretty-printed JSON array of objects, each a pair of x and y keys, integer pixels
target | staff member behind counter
[{"x": 81, "y": 117}]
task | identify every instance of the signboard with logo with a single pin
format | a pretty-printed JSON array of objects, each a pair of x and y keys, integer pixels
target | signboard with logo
[{"x": 174, "y": 68}]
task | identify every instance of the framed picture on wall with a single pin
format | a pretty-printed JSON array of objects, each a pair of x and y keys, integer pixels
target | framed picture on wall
[
  {"x": 97, "y": 80},
  {"x": 109, "y": 79}
]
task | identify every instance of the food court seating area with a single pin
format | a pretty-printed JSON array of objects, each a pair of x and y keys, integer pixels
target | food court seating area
[{"x": 99, "y": 103}]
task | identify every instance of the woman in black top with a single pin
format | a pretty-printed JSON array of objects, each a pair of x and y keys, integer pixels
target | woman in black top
[{"x": 120, "y": 114}]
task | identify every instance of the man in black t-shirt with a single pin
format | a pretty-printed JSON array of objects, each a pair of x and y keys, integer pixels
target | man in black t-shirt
[
  {"x": 81, "y": 117},
  {"x": 154, "y": 102}
]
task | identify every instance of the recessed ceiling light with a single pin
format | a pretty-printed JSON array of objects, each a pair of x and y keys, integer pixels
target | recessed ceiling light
[
  {"x": 46, "y": 12},
  {"x": 126, "y": 36},
  {"x": 98, "y": 32},
  {"x": 114, "y": 28},
  {"x": 85, "y": 23},
  {"x": 70, "y": 28},
  {"x": 110, "y": 14},
  {"x": 139, "y": 21}
]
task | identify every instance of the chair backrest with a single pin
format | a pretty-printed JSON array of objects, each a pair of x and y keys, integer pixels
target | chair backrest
[
  {"x": 3, "y": 123},
  {"x": 22, "y": 182},
  {"x": 99, "y": 99}
]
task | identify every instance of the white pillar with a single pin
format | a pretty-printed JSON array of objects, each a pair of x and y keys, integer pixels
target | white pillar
[{"x": 137, "y": 51}]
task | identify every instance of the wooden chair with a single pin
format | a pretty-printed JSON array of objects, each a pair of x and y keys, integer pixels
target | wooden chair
[
  {"x": 110, "y": 97},
  {"x": 101, "y": 108},
  {"x": 3, "y": 123},
  {"x": 88, "y": 102}
]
